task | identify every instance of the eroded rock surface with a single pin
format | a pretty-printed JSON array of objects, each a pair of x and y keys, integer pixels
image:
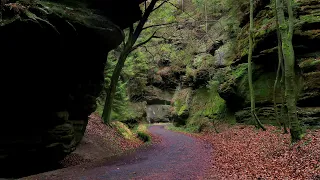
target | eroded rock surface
[
  {"x": 306, "y": 39},
  {"x": 53, "y": 57}
]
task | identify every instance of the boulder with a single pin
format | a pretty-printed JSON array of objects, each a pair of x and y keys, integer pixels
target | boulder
[{"x": 158, "y": 113}]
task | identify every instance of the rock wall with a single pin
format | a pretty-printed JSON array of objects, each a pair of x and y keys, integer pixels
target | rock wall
[
  {"x": 307, "y": 51},
  {"x": 53, "y": 57},
  {"x": 221, "y": 70}
]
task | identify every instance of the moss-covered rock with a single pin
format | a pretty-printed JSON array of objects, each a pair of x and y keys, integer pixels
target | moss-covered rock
[
  {"x": 181, "y": 106},
  {"x": 309, "y": 117},
  {"x": 306, "y": 39},
  {"x": 310, "y": 95}
]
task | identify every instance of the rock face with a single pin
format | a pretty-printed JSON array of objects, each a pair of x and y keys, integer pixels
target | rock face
[
  {"x": 306, "y": 39},
  {"x": 54, "y": 56},
  {"x": 158, "y": 113}
]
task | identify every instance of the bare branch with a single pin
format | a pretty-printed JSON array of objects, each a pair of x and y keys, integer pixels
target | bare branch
[
  {"x": 160, "y": 5},
  {"x": 157, "y": 25},
  {"x": 144, "y": 19},
  {"x": 144, "y": 42},
  {"x": 149, "y": 52}
]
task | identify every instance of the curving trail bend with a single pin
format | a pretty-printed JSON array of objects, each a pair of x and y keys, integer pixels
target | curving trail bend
[{"x": 177, "y": 156}]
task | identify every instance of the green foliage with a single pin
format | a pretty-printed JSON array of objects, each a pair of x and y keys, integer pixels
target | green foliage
[
  {"x": 240, "y": 71},
  {"x": 123, "y": 129},
  {"x": 215, "y": 7},
  {"x": 144, "y": 136},
  {"x": 187, "y": 129},
  {"x": 181, "y": 100},
  {"x": 142, "y": 132}
]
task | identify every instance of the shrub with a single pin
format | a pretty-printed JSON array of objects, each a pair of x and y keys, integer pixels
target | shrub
[{"x": 144, "y": 136}]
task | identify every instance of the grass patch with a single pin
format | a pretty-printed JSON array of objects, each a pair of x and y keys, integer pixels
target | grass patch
[
  {"x": 123, "y": 129},
  {"x": 142, "y": 133},
  {"x": 187, "y": 129},
  {"x": 144, "y": 136}
]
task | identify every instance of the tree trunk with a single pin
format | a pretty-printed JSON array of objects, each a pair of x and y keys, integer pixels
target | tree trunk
[
  {"x": 286, "y": 30},
  {"x": 106, "y": 115},
  {"x": 252, "y": 98},
  {"x": 284, "y": 111},
  {"x": 128, "y": 47},
  {"x": 279, "y": 70}
]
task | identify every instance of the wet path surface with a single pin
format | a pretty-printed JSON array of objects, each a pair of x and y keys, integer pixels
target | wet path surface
[{"x": 177, "y": 156}]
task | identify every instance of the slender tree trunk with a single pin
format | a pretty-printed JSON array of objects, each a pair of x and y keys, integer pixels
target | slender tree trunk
[
  {"x": 279, "y": 69},
  {"x": 182, "y": 5},
  {"x": 284, "y": 110},
  {"x": 286, "y": 30},
  {"x": 106, "y": 115},
  {"x": 128, "y": 47},
  {"x": 295, "y": 130},
  {"x": 252, "y": 98}
]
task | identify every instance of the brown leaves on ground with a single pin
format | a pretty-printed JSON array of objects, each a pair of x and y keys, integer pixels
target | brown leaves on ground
[
  {"x": 243, "y": 152},
  {"x": 99, "y": 141}
]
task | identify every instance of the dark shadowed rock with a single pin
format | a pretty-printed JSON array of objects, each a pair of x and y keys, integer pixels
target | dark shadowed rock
[{"x": 53, "y": 57}]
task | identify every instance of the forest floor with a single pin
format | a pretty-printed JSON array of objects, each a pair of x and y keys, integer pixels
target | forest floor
[
  {"x": 101, "y": 141},
  {"x": 244, "y": 152},
  {"x": 236, "y": 152}
]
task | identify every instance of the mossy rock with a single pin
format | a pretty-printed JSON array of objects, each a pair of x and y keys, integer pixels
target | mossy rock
[
  {"x": 309, "y": 117},
  {"x": 310, "y": 65},
  {"x": 181, "y": 106},
  {"x": 306, "y": 33},
  {"x": 310, "y": 95}
]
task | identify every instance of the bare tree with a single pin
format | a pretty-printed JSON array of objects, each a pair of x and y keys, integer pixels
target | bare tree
[
  {"x": 286, "y": 33},
  {"x": 252, "y": 98}
]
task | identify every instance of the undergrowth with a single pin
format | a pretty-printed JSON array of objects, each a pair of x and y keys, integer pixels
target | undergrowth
[{"x": 142, "y": 133}]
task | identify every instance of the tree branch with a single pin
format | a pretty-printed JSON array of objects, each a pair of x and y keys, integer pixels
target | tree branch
[
  {"x": 144, "y": 42},
  {"x": 157, "y": 25},
  {"x": 144, "y": 19},
  {"x": 149, "y": 52},
  {"x": 145, "y": 5},
  {"x": 131, "y": 30},
  {"x": 160, "y": 5}
]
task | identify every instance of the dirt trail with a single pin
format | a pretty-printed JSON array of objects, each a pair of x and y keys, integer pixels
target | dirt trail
[{"x": 178, "y": 156}]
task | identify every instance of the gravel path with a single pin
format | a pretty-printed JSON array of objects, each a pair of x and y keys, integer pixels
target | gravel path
[{"x": 177, "y": 156}]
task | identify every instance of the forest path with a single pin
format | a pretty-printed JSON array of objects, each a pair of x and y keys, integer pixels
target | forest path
[{"x": 177, "y": 156}]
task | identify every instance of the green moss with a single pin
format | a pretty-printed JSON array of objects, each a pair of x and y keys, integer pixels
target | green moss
[
  {"x": 142, "y": 132},
  {"x": 267, "y": 26},
  {"x": 311, "y": 64},
  {"x": 240, "y": 70},
  {"x": 180, "y": 101},
  {"x": 144, "y": 136},
  {"x": 263, "y": 88},
  {"x": 181, "y": 128},
  {"x": 310, "y": 18},
  {"x": 182, "y": 109},
  {"x": 206, "y": 102},
  {"x": 123, "y": 129},
  {"x": 203, "y": 61}
]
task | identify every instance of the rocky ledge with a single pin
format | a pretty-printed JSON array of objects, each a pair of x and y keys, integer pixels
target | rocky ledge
[{"x": 53, "y": 56}]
